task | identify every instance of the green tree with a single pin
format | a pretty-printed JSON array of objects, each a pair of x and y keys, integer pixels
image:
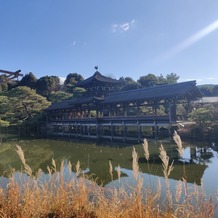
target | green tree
[
  {"x": 23, "y": 104},
  {"x": 206, "y": 90},
  {"x": 161, "y": 80},
  {"x": 47, "y": 84},
  {"x": 59, "y": 96},
  {"x": 215, "y": 90},
  {"x": 203, "y": 116},
  {"x": 148, "y": 80},
  {"x": 3, "y": 83},
  {"x": 172, "y": 78},
  {"x": 127, "y": 83},
  {"x": 78, "y": 92},
  {"x": 71, "y": 80},
  {"x": 4, "y": 101},
  {"x": 28, "y": 80}
]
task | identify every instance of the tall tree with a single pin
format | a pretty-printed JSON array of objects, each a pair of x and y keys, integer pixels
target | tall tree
[
  {"x": 4, "y": 101},
  {"x": 71, "y": 80},
  {"x": 28, "y": 80},
  {"x": 22, "y": 104},
  {"x": 128, "y": 84},
  {"x": 206, "y": 90},
  {"x": 59, "y": 96},
  {"x": 215, "y": 90},
  {"x": 161, "y": 80},
  {"x": 47, "y": 84},
  {"x": 172, "y": 78},
  {"x": 148, "y": 80},
  {"x": 3, "y": 83}
]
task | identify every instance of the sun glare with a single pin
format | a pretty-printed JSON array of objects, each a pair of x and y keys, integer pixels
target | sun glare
[
  {"x": 191, "y": 40},
  {"x": 196, "y": 37}
]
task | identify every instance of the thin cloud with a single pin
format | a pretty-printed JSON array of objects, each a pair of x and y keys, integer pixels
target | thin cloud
[
  {"x": 123, "y": 27},
  {"x": 78, "y": 43},
  {"x": 73, "y": 43},
  {"x": 198, "y": 80}
]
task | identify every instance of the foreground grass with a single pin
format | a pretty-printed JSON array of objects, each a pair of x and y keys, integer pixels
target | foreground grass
[{"x": 77, "y": 196}]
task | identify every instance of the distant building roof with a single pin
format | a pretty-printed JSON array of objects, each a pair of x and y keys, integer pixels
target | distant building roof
[
  {"x": 97, "y": 77},
  {"x": 205, "y": 100}
]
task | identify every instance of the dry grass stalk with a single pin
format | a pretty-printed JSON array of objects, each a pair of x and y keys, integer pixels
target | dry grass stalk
[
  {"x": 54, "y": 165},
  {"x": 135, "y": 165},
  {"x": 178, "y": 191},
  {"x": 167, "y": 169},
  {"x": 20, "y": 153},
  {"x": 178, "y": 141},
  {"x": 69, "y": 166},
  {"x": 146, "y": 150},
  {"x": 111, "y": 169},
  {"x": 78, "y": 170},
  {"x": 83, "y": 198},
  {"x": 118, "y": 172}
]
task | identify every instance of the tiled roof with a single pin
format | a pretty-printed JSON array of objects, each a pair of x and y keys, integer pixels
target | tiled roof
[
  {"x": 161, "y": 91},
  {"x": 74, "y": 102},
  {"x": 97, "y": 77}
]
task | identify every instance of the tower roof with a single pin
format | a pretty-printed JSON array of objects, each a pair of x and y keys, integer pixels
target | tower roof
[{"x": 97, "y": 77}]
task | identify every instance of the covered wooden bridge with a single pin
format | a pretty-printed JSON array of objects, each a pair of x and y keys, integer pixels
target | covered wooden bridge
[{"x": 103, "y": 113}]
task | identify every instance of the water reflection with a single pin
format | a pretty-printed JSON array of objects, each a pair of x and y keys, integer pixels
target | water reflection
[{"x": 95, "y": 158}]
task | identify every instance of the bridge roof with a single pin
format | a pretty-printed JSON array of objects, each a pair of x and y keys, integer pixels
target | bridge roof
[
  {"x": 184, "y": 89},
  {"x": 177, "y": 90}
]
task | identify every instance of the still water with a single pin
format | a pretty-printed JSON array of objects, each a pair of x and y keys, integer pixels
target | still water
[{"x": 199, "y": 165}]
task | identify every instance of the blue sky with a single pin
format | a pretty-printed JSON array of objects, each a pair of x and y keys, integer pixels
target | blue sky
[{"x": 129, "y": 38}]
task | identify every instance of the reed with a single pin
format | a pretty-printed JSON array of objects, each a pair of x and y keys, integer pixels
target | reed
[
  {"x": 178, "y": 141},
  {"x": 58, "y": 196}
]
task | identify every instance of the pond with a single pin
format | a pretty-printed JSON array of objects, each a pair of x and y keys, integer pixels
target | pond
[{"x": 198, "y": 166}]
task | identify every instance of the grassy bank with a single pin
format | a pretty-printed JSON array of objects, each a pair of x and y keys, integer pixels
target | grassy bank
[{"x": 78, "y": 196}]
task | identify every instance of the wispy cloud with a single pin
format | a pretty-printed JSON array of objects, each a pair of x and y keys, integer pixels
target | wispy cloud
[
  {"x": 73, "y": 43},
  {"x": 123, "y": 27},
  {"x": 191, "y": 40},
  {"x": 210, "y": 78},
  {"x": 78, "y": 43},
  {"x": 199, "y": 80}
]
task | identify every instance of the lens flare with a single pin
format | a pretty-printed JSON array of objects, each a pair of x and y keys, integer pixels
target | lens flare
[
  {"x": 196, "y": 37},
  {"x": 191, "y": 40}
]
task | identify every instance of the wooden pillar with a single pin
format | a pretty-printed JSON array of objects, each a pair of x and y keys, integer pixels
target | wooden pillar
[
  {"x": 111, "y": 129},
  {"x": 76, "y": 129},
  {"x": 97, "y": 130},
  {"x": 139, "y": 131},
  {"x": 124, "y": 110},
  {"x": 124, "y": 131},
  {"x": 155, "y": 108},
  {"x": 155, "y": 131},
  {"x": 81, "y": 126},
  {"x": 62, "y": 128},
  {"x": 138, "y": 108},
  {"x": 88, "y": 129}
]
